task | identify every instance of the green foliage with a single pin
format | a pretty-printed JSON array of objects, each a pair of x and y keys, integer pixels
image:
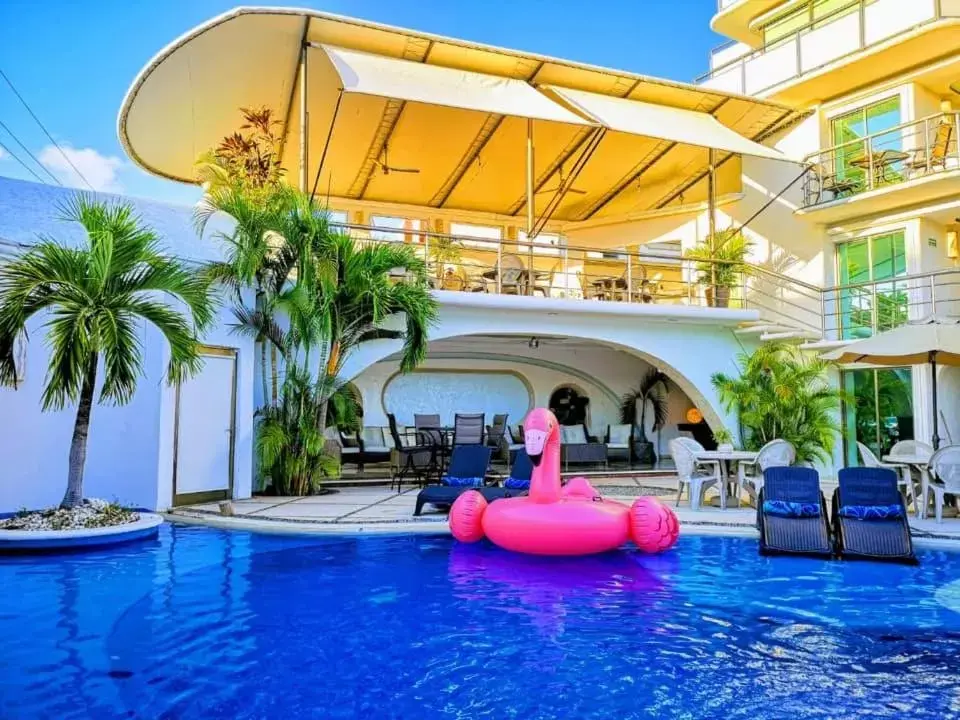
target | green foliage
[
  {"x": 723, "y": 436},
  {"x": 652, "y": 392},
  {"x": 721, "y": 258},
  {"x": 783, "y": 393},
  {"x": 249, "y": 157},
  {"x": 290, "y": 440}
]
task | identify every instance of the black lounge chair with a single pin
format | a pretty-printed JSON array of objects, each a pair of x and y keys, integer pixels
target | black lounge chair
[
  {"x": 792, "y": 513},
  {"x": 467, "y": 471},
  {"x": 870, "y": 517}
]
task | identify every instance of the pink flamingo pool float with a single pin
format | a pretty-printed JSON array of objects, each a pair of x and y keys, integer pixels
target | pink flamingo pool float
[{"x": 560, "y": 520}]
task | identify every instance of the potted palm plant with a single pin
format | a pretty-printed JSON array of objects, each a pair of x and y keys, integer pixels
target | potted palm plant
[
  {"x": 720, "y": 263},
  {"x": 650, "y": 394}
]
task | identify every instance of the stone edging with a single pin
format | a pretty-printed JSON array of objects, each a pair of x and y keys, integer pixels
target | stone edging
[{"x": 29, "y": 540}]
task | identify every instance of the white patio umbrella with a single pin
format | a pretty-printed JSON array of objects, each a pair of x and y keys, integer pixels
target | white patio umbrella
[{"x": 933, "y": 340}]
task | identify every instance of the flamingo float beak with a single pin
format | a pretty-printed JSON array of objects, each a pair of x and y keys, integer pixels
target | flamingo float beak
[{"x": 534, "y": 440}]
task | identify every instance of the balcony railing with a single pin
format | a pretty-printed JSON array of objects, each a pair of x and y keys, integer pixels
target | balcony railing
[
  {"x": 723, "y": 4},
  {"x": 847, "y": 30},
  {"x": 790, "y": 307},
  {"x": 903, "y": 153}
]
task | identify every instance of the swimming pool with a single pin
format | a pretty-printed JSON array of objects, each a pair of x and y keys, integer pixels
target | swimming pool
[{"x": 208, "y": 624}]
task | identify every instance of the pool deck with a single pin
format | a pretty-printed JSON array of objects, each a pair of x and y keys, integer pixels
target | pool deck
[{"x": 381, "y": 510}]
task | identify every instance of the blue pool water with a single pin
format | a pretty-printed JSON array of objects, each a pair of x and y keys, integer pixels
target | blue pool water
[{"x": 207, "y": 624}]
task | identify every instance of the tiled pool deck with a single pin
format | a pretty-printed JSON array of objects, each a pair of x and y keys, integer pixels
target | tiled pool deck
[{"x": 379, "y": 509}]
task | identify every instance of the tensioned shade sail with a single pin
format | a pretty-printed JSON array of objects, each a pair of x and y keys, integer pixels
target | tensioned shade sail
[
  {"x": 661, "y": 121},
  {"x": 387, "y": 77}
]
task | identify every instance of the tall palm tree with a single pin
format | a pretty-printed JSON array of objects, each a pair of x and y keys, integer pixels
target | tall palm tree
[{"x": 94, "y": 299}]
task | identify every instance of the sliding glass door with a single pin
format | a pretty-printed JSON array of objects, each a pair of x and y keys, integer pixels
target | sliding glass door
[
  {"x": 851, "y": 161},
  {"x": 882, "y": 302},
  {"x": 878, "y": 410}
]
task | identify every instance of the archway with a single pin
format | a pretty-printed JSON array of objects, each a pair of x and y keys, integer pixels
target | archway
[{"x": 570, "y": 404}]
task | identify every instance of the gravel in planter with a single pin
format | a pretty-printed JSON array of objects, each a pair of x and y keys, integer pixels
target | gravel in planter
[{"x": 91, "y": 513}]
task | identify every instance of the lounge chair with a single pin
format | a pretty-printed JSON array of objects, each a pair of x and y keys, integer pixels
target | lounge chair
[
  {"x": 870, "y": 516},
  {"x": 467, "y": 471},
  {"x": 520, "y": 472},
  {"x": 792, "y": 513}
]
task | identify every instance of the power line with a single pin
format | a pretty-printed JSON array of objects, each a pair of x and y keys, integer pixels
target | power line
[
  {"x": 32, "y": 156},
  {"x": 26, "y": 167},
  {"x": 45, "y": 131}
]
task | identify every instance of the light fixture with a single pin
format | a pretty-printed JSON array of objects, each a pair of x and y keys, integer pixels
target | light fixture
[
  {"x": 534, "y": 343},
  {"x": 953, "y": 244},
  {"x": 694, "y": 416}
]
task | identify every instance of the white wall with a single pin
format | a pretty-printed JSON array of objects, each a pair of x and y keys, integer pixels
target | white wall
[{"x": 129, "y": 449}]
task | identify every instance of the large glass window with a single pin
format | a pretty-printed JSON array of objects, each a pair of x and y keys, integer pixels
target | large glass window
[
  {"x": 878, "y": 410},
  {"x": 395, "y": 229},
  {"x": 851, "y": 160},
  {"x": 877, "y": 260}
]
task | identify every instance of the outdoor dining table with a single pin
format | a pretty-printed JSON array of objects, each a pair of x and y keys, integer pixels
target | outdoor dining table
[
  {"x": 921, "y": 463},
  {"x": 727, "y": 456},
  {"x": 880, "y": 161}
]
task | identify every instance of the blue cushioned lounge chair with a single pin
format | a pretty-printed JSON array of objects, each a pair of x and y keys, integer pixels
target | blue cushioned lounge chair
[
  {"x": 792, "y": 513},
  {"x": 520, "y": 472},
  {"x": 467, "y": 471},
  {"x": 870, "y": 517}
]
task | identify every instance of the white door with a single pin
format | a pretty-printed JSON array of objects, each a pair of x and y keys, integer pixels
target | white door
[{"x": 203, "y": 437}]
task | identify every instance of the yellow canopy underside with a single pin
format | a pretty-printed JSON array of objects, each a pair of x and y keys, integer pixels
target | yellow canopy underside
[{"x": 188, "y": 98}]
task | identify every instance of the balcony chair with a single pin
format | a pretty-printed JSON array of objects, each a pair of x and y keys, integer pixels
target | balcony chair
[
  {"x": 512, "y": 275},
  {"x": 776, "y": 453},
  {"x": 696, "y": 475},
  {"x": 870, "y": 517},
  {"x": 577, "y": 446},
  {"x": 619, "y": 440},
  {"x": 904, "y": 478},
  {"x": 792, "y": 513},
  {"x": 543, "y": 280},
  {"x": 939, "y": 150},
  {"x": 945, "y": 477}
]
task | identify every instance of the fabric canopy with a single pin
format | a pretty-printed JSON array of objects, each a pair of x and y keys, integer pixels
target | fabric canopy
[
  {"x": 910, "y": 344},
  {"x": 387, "y": 77},
  {"x": 662, "y": 121}
]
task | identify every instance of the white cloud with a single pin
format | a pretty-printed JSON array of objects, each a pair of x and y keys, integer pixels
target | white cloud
[
  {"x": 99, "y": 170},
  {"x": 3, "y": 154}
]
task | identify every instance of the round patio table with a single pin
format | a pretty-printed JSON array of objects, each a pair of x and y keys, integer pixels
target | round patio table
[
  {"x": 724, "y": 457},
  {"x": 921, "y": 463}
]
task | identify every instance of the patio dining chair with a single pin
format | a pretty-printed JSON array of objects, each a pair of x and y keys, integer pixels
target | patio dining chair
[
  {"x": 904, "y": 477},
  {"x": 939, "y": 147},
  {"x": 468, "y": 429},
  {"x": 695, "y": 475},
  {"x": 410, "y": 455},
  {"x": 512, "y": 275},
  {"x": 776, "y": 453},
  {"x": 944, "y": 477}
]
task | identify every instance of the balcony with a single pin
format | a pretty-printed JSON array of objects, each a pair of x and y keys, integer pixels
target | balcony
[
  {"x": 855, "y": 177},
  {"x": 863, "y": 37}
]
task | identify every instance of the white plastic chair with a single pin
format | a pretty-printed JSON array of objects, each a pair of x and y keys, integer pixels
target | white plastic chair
[
  {"x": 945, "y": 477},
  {"x": 920, "y": 476},
  {"x": 905, "y": 479},
  {"x": 776, "y": 453},
  {"x": 697, "y": 475}
]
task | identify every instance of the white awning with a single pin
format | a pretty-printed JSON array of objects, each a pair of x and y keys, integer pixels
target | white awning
[
  {"x": 388, "y": 77},
  {"x": 661, "y": 121}
]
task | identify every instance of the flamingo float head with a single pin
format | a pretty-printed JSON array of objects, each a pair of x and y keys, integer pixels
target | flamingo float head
[{"x": 539, "y": 428}]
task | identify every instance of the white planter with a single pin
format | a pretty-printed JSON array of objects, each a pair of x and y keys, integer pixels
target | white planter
[{"x": 27, "y": 540}]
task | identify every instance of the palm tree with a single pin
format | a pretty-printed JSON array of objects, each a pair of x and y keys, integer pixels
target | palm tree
[
  {"x": 652, "y": 392},
  {"x": 94, "y": 299},
  {"x": 783, "y": 393}
]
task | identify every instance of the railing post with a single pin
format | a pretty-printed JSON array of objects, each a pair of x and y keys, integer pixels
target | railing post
[
  {"x": 426, "y": 250},
  {"x": 743, "y": 75},
  {"x": 863, "y": 24},
  {"x": 823, "y": 316},
  {"x": 743, "y": 288},
  {"x": 529, "y": 265},
  {"x": 799, "y": 57},
  {"x": 566, "y": 268},
  {"x": 933, "y": 295},
  {"x": 499, "y": 264},
  {"x": 956, "y": 131},
  {"x": 630, "y": 277}
]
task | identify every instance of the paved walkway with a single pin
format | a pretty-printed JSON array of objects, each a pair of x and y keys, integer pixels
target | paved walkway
[{"x": 378, "y": 509}]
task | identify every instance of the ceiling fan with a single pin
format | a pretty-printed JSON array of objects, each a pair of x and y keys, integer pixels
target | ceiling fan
[
  {"x": 555, "y": 188},
  {"x": 386, "y": 168}
]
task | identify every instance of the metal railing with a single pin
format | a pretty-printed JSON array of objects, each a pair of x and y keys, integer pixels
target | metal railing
[
  {"x": 845, "y": 31},
  {"x": 906, "y": 152},
  {"x": 791, "y": 307},
  {"x": 723, "y": 4}
]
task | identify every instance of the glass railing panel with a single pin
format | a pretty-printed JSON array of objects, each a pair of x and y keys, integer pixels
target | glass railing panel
[{"x": 885, "y": 18}]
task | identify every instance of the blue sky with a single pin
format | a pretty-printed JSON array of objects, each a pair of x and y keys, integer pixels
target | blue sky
[{"x": 73, "y": 61}]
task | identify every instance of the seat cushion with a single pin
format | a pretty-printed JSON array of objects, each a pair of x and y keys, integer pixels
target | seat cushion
[
  {"x": 620, "y": 436},
  {"x": 372, "y": 437},
  {"x": 572, "y": 435},
  {"x": 871, "y": 512}
]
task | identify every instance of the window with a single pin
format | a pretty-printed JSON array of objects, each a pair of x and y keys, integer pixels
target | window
[
  {"x": 872, "y": 260},
  {"x": 878, "y": 410},
  {"x": 851, "y": 160},
  {"x": 395, "y": 229},
  {"x": 543, "y": 244},
  {"x": 338, "y": 218},
  {"x": 489, "y": 235}
]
